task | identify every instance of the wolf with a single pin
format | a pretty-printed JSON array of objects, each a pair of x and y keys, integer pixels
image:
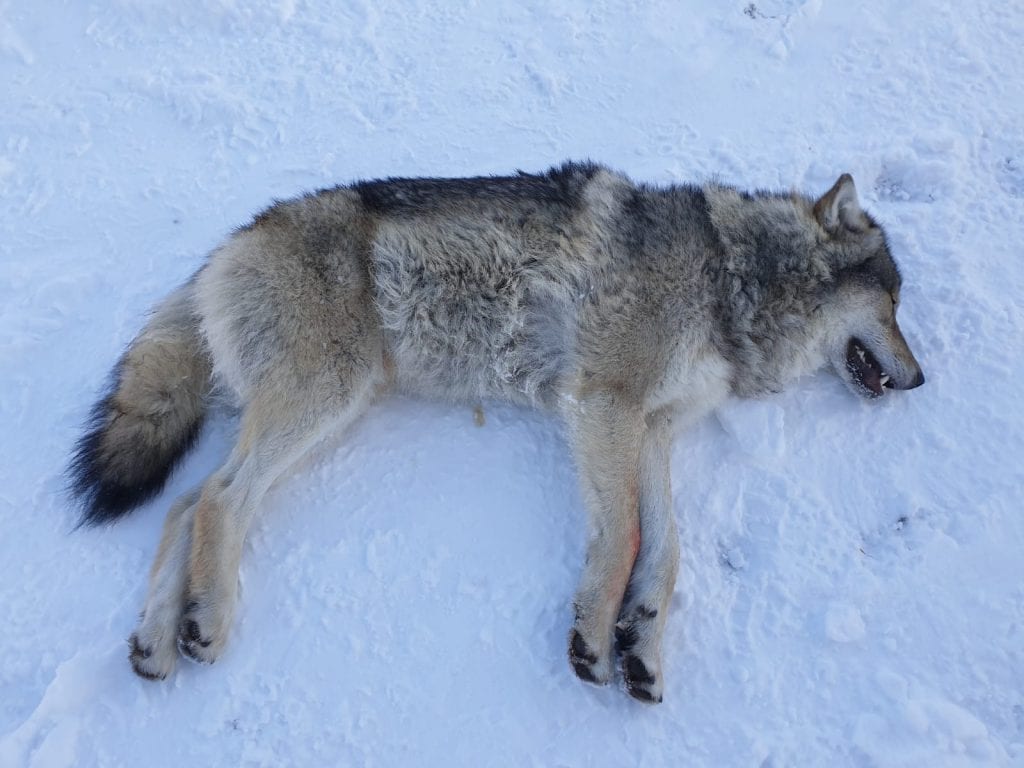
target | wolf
[{"x": 627, "y": 310}]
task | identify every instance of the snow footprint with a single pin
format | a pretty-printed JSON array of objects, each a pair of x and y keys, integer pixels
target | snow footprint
[
  {"x": 912, "y": 725},
  {"x": 784, "y": 16},
  {"x": 1011, "y": 175},
  {"x": 922, "y": 173}
]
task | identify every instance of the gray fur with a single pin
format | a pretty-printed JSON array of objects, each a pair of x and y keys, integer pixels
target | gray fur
[{"x": 627, "y": 310}]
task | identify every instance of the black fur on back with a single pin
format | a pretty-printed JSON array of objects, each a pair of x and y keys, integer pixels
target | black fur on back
[{"x": 561, "y": 186}]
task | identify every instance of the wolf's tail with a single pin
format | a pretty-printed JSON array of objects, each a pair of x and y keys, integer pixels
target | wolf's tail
[{"x": 151, "y": 416}]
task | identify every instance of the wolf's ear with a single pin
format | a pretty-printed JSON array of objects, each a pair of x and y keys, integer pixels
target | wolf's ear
[{"x": 840, "y": 209}]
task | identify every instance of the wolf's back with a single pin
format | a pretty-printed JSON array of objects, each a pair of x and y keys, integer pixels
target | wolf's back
[{"x": 152, "y": 414}]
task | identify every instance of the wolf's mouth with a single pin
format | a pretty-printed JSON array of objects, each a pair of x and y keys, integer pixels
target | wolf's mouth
[{"x": 866, "y": 370}]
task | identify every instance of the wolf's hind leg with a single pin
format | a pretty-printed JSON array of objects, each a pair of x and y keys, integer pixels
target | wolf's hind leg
[
  {"x": 641, "y": 623},
  {"x": 606, "y": 438},
  {"x": 276, "y": 431},
  {"x": 154, "y": 643}
]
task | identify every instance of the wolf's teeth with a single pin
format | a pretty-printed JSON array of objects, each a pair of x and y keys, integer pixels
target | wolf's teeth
[
  {"x": 884, "y": 379},
  {"x": 860, "y": 354}
]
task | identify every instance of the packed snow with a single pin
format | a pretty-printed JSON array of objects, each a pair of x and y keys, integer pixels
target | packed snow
[{"x": 852, "y": 582}]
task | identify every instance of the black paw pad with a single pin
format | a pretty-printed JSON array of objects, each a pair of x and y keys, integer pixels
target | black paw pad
[
  {"x": 138, "y": 655},
  {"x": 626, "y": 637},
  {"x": 638, "y": 678},
  {"x": 138, "y": 651},
  {"x": 190, "y": 640},
  {"x": 190, "y": 631},
  {"x": 642, "y": 694},
  {"x": 636, "y": 671},
  {"x": 145, "y": 674},
  {"x": 582, "y": 659},
  {"x": 579, "y": 650},
  {"x": 584, "y": 672}
]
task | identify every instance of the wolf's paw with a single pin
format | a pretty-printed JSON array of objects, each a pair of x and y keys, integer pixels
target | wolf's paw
[
  {"x": 641, "y": 683},
  {"x": 587, "y": 662},
  {"x": 200, "y": 639},
  {"x": 151, "y": 658},
  {"x": 637, "y": 642}
]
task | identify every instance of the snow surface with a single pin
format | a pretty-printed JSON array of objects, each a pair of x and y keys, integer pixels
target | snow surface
[{"x": 852, "y": 586}]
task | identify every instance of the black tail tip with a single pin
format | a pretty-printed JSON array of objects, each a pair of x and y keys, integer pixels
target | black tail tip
[
  {"x": 104, "y": 503},
  {"x": 101, "y": 499},
  {"x": 93, "y": 483}
]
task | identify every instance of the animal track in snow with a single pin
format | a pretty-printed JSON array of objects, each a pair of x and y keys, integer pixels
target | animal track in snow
[
  {"x": 923, "y": 172},
  {"x": 912, "y": 181},
  {"x": 1011, "y": 176}
]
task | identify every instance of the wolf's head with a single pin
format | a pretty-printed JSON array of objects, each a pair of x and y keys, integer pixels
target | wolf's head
[{"x": 863, "y": 342}]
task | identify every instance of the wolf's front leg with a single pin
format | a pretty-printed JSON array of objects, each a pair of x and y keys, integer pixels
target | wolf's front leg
[
  {"x": 641, "y": 623},
  {"x": 606, "y": 435}
]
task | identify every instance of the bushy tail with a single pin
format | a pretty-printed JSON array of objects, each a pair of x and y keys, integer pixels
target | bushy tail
[{"x": 155, "y": 407}]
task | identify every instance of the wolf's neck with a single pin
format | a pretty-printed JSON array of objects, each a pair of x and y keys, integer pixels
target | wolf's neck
[{"x": 767, "y": 283}]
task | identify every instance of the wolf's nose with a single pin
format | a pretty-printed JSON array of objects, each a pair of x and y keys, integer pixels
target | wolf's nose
[{"x": 918, "y": 380}]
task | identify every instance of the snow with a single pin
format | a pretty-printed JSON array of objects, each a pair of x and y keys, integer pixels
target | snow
[{"x": 852, "y": 584}]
